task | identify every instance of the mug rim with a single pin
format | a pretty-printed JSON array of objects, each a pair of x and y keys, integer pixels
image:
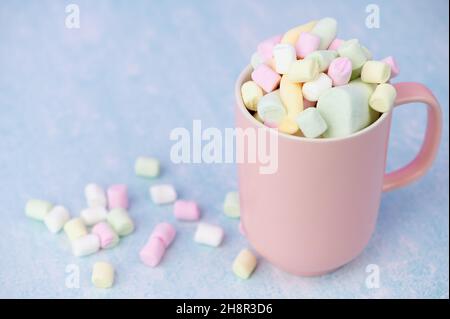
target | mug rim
[{"x": 237, "y": 90}]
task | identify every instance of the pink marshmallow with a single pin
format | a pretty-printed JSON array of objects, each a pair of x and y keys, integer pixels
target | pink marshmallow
[
  {"x": 266, "y": 78},
  {"x": 186, "y": 210},
  {"x": 106, "y": 234},
  {"x": 265, "y": 48},
  {"x": 152, "y": 252},
  {"x": 335, "y": 44},
  {"x": 165, "y": 232},
  {"x": 395, "y": 70},
  {"x": 340, "y": 71},
  {"x": 306, "y": 43},
  {"x": 117, "y": 196},
  {"x": 307, "y": 103}
]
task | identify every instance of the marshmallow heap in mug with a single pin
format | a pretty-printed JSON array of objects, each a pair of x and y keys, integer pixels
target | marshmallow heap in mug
[{"x": 309, "y": 83}]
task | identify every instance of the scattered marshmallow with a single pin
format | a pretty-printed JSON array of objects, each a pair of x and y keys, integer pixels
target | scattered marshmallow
[
  {"x": 93, "y": 215},
  {"x": 85, "y": 245},
  {"x": 231, "y": 206},
  {"x": 251, "y": 94},
  {"x": 375, "y": 72},
  {"x": 383, "y": 98},
  {"x": 75, "y": 228},
  {"x": 314, "y": 89},
  {"x": 95, "y": 195},
  {"x": 208, "y": 234},
  {"x": 118, "y": 196},
  {"x": 147, "y": 167},
  {"x": 163, "y": 194},
  {"x": 108, "y": 237},
  {"x": 165, "y": 232},
  {"x": 120, "y": 221},
  {"x": 186, "y": 210},
  {"x": 56, "y": 219},
  {"x": 244, "y": 264},
  {"x": 284, "y": 55},
  {"x": 160, "y": 239},
  {"x": 266, "y": 78},
  {"x": 102, "y": 275},
  {"x": 38, "y": 209},
  {"x": 311, "y": 123}
]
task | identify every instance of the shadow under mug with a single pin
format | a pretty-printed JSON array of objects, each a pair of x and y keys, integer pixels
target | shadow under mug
[{"x": 319, "y": 210}]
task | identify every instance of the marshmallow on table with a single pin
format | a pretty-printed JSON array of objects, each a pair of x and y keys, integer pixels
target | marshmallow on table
[
  {"x": 117, "y": 196},
  {"x": 146, "y": 167},
  {"x": 306, "y": 44},
  {"x": 326, "y": 30},
  {"x": 160, "y": 239},
  {"x": 75, "y": 228},
  {"x": 303, "y": 70},
  {"x": 323, "y": 58},
  {"x": 383, "y": 98},
  {"x": 165, "y": 232},
  {"x": 346, "y": 109},
  {"x": 186, "y": 210},
  {"x": 311, "y": 123},
  {"x": 284, "y": 55},
  {"x": 120, "y": 221},
  {"x": 37, "y": 209},
  {"x": 93, "y": 215},
  {"x": 353, "y": 50},
  {"x": 208, "y": 234},
  {"x": 85, "y": 245},
  {"x": 107, "y": 235},
  {"x": 334, "y": 45},
  {"x": 265, "y": 48},
  {"x": 163, "y": 194},
  {"x": 244, "y": 264},
  {"x": 340, "y": 71},
  {"x": 256, "y": 60},
  {"x": 251, "y": 93},
  {"x": 102, "y": 275},
  {"x": 271, "y": 108},
  {"x": 56, "y": 218},
  {"x": 231, "y": 206},
  {"x": 266, "y": 78},
  {"x": 393, "y": 64},
  {"x": 314, "y": 89},
  {"x": 95, "y": 195},
  {"x": 291, "y": 37},
  {"x": 375, "y": 72}
]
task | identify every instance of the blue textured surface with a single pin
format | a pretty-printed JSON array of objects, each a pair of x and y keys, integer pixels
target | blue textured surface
[{"x": 79, "y": 105}]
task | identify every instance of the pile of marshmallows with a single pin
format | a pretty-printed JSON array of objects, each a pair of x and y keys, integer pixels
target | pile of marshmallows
[
  {"x": 107, "y": 213},
  {"x": 309, "y": 83}
]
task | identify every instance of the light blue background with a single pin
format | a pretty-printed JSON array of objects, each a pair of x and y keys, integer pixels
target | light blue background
[{"x": 79, "y": 105}]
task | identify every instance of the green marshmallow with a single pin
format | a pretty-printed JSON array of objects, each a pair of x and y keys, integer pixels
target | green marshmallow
[
  {"x": 38, "y": 209},
  {"x": 354, "y": 51},
  {"x": 231, "y": 205},
  {"x": 323, "y": 58},
  {"x": 120, "y": 221},
  {"x": 326, "y": 30},
  {"x": 147, "y": 167}
]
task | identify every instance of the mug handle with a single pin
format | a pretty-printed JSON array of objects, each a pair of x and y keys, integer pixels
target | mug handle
[{"x": 411, "y": 92}]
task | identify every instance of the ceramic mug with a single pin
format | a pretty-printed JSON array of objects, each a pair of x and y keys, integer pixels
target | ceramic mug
[{"x": 319, "y": 210}]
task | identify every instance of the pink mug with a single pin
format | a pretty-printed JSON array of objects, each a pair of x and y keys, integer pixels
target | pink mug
[{"x": 319, "y": 210}]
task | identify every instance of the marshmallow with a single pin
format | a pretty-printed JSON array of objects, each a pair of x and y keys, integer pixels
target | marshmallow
[
  {"x": 266, "y": 78},
  {"x": 314, "y": 89},
  {"x": 120, "y": 221},
  {"x": 326, "y": 30},
  {"x": 265, "y": 48},
  {"x": 164, "y": 232},
  {"x": 251, "y": 94},
  {"x": 256, "y": 60},
  {"x": 306, "y": 44},
  {"x": 75, "y": 228},
  {"x": 107, "y": 235},
  {"x": 95, "y": 195},
  {"x": 284, "y": 55},
  {"x": 117, "y": 196},
  {"x": 393, "y": 64},
  {"x": 340, "y": 71},
  {"x": 270, "y": 108},
  {"x": 323, "y": 58},
  {"x": 287, "y": 125},
  {"x": 163, "y": 194},
  {"x": 147, "y": 167},
  {"x": 37, "y": 209},
  {"x": 244, "y": 264},
  {"x": 346, "y": 109},
  {"x": 383, "y": 98},
  {"x": 56, "y": 218},
  {"x": 303, "y": 70},
  {"x": 231, "y": 206},
  {"x": 353, "y": 50},
  {"x": 186, "y": 210},
  {"x": 152, "y": 253},
  {"x": 311, "y": 123},
  {"x": 335, "y": 44},
  {"x": 93, "y": 215},
  {"x": 375, "y": 72},
  {"x": 85, "y": 245},
  {"x": 102, "y": 275},
  {"x": 291, "y": 96},
  {"x": 208, "y": 234},
  {"x": 291, "y": 37}
]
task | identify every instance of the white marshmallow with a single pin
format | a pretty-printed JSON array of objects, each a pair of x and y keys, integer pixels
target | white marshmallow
[
  {"x": 95, "y": 196},
  {"x": 85, "y": 245},
  {"x": 93, "y": 215},
  {"x": 208, "y": 234},
  {"x": 284, "y": 55},
  {"x": 311, "y": 123},
  {"x": 163, "y": 194},
  {"x": 270, "y": 107},
  {"x": 56, "y": 218},
  {"x": 314, "y": 89}
]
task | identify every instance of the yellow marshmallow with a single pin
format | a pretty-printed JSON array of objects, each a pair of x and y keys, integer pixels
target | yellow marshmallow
[
  {"x": 244, "y": 264},
  {"x": 288, "y": 126},
  {"x": 102, "y": 275},
  {"x": 375, "y": 72},
  {"x": 292, "y": 35},
  {"x": 251, "y": 93},
  {"x": 382, "y": 99},
  {"x": 303, "y": 70},
  {"x": 291, "y": 96},
  {"x": 75, "y": 228}
]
